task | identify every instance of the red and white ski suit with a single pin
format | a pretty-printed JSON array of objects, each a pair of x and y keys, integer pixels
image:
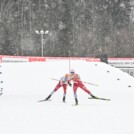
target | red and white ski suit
[
  {"x": 62, "y": 83},
  {"x": 78, "y": 83}
]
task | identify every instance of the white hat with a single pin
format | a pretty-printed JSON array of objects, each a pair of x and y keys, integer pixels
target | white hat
[{"x": 72, "y": 71}]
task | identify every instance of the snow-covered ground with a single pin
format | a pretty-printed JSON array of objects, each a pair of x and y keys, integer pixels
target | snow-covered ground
[{"x": 26, "y": 83}]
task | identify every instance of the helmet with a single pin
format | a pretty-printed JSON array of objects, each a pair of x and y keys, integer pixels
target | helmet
[
  {"x": 72, "y": 71},
  {"x": 67, "y": 75}
]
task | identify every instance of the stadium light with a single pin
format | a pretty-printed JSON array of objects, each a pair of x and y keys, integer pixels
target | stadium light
[{"x": 42, "y": 32}]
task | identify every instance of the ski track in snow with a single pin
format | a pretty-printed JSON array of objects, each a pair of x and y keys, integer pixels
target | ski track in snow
[{"x": 24, "y": 84}]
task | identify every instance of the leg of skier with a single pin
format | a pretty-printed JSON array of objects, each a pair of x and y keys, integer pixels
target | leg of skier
[
  {"x": 56, "y": 88},
  {"x": 75, "y": 86},
  {"x": 64, "y": 95},
  {"x": 82, "y": 86}
]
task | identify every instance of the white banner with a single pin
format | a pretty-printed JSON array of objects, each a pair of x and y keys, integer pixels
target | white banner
[
  {"x": 122, "y": 63},
  {"x": 5, "y": 59},
  {"x": 125, "y": 64},
  {"x": 128, "y": 70}
]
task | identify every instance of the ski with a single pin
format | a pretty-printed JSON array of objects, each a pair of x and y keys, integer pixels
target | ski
[
  {"x": 75, "y": 104},
  {"x": 43, "y": 100},
  {"x": 99, "y": 99}
]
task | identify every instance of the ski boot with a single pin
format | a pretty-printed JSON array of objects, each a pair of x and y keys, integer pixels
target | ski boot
[
  {"x": 93, "y": 96},
  {"x": 48, "y": 97},
  {"x": 64, "y": 99},
  {"x": 76, "y": 101}
]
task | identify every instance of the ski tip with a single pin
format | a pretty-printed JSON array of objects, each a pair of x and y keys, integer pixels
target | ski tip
[
  {"x": 75, "y": 104},
  {"x": 43, "y": 100},
  {"x": 40, "y": 100},
  {"x": 99, "y": 98}
]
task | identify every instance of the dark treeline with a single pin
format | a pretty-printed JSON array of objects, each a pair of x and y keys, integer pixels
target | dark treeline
[{"x": 76, "y": 27}]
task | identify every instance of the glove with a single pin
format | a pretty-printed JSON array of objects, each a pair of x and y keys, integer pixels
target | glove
[{"x": 70, "y": 84}]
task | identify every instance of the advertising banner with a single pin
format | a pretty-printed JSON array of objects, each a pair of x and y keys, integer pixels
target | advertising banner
[{"x": 125, "y": 64}]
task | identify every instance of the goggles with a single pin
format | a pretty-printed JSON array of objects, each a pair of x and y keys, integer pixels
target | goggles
[{"x": 72, "y": 72}]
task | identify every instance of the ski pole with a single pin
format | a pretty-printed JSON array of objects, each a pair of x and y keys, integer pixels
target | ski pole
[
  {"x": 69, "y": 61},
  {"x": 89, "y": 83},
  {"x": 55, "y": 79},
  {"x": 81, "y": 81}
]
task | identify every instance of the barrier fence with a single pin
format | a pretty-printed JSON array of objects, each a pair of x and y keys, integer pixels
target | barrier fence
[{"x": 125, "y": 64}]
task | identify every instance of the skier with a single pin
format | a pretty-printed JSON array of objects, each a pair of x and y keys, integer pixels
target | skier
[
  {"x": 63, "y": 82},
  {"x": 78, "y": 83}
]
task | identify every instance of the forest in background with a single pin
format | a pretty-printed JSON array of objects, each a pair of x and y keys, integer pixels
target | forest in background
[{"x": 80, "y": 28}]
